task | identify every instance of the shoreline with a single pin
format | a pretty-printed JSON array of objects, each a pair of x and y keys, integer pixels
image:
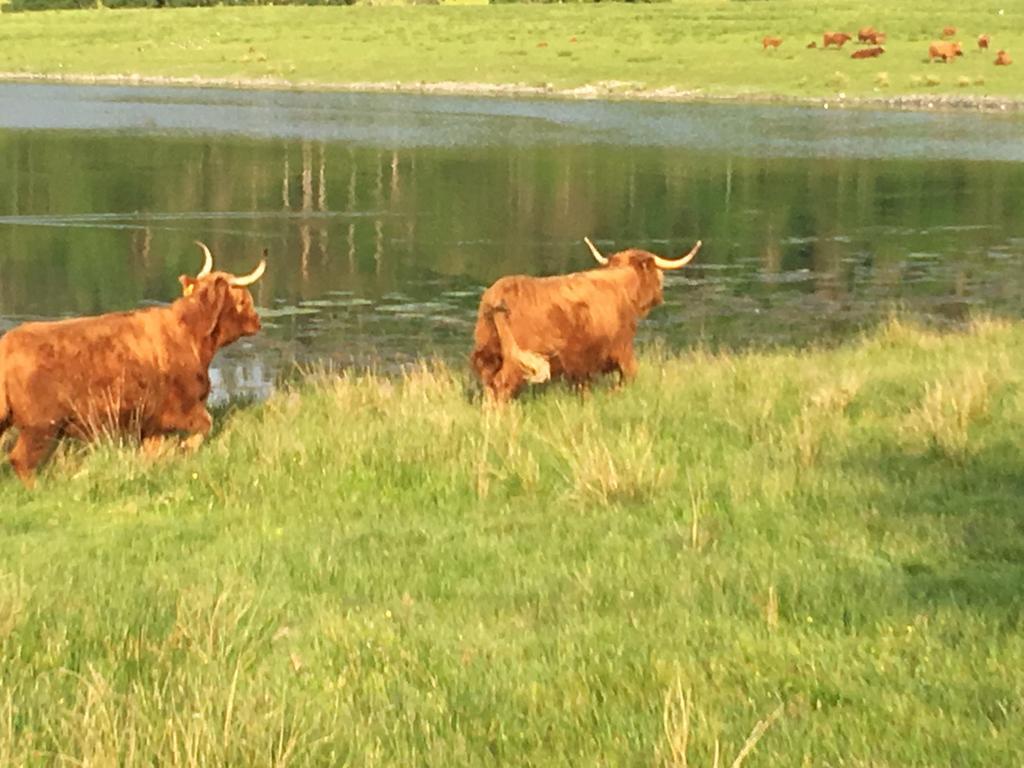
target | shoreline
[{"x": 600, "y": 91}]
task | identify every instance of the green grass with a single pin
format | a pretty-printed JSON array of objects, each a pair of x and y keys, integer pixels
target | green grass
[
  {"x": 380, "y": 572},
  {"x": 709, "y": 46}
]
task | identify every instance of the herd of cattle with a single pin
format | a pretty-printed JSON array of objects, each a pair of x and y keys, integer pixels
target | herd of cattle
[
  {"x": 939, "y": 49},
  {"x": 145, "y": 373}
]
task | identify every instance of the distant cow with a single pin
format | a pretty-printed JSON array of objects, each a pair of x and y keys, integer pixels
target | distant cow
[
  {"x": 144, "y": 372},
  {"x": 867, "y": 53},
  {"x": 575, "y": 326},
  {"x": 812, "y": 44},
  {"x": 870, "y": 35},
  {"x": 983, "y": 41},
  {"x": 944, "y": 51},
  {"x": 838, "y": 39},
  {"x": 1003, "y": 59},
  {"x": 771, "y": 42},
  {"x": 948, "y": 31}
]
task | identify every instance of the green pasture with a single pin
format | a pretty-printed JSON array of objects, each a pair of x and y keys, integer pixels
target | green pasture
[
  {"x": 708, "y": 47},
  {"x": 364, "y": 571}
]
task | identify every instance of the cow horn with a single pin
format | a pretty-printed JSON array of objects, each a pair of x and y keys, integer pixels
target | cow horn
[
  {"x": 252, "y": 277},
  {"x": 682, "y": 261},
  {"x": 208, "y": 263},
  {"x": 597, "y": 254}
]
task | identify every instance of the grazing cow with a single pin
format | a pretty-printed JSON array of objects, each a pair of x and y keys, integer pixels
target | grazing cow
[
  {"x": 870, "y": 35},
  {"x": 983, "y": 41},
  {"x": 944, "y": 51},
  {"x": 144, "y": 372},
  {"x": 838, "y": 39},
  {"x": 771, "y": 42},
  {"x": 531, "y": 329},
  {"x": 948, "y": 31},
  {"x": 1003, "y": 59},
  {"x": 812, "y": 44},
  {"x": 868, "y": 53}
]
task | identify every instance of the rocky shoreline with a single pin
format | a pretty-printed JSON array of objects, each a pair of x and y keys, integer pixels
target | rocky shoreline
[{"x": 612, "y": 90}]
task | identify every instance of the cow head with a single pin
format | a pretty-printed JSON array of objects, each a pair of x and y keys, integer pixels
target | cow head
[
  {"x": 223, "y": 300},
  {"x": 648, "y": 268}
]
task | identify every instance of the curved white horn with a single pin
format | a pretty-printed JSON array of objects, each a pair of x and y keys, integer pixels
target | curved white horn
[
  {"x": 208, "y": 263},
  {"x": 597, "y": 254},
  {"x": 682, "y": 261},
  {"x": 252, "y": 277}
]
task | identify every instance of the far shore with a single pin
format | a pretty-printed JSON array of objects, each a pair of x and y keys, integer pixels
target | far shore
[
  {"x": 605, "y": 90},
  {"x": 708, "y": 51}
]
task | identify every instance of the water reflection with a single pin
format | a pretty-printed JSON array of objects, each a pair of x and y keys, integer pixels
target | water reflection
[{"x": 379, "y": 253}]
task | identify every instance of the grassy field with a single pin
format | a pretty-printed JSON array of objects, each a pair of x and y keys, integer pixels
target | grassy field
[
  {"x": 711, "y": 47},
  {"x": 371, "y": 572}
]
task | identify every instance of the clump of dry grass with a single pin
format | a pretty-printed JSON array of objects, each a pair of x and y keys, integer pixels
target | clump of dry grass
[
  {"x": 942, "y": 421},
  {"x": 676, "y": 713},
  {"x": 502, "y": 454},
  {"x": 620, "y": 468}
]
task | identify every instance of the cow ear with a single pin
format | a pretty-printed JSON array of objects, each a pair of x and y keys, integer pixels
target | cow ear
[
  {"x": 188, "y": 284},
  {"x": 645, "y": 265},
  {"x": 208, "y": 302}
]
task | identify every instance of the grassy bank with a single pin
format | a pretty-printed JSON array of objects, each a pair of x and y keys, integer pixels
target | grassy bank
[
  {"x": 703, "y": 48},
  {"x": 374, "y": 572}
]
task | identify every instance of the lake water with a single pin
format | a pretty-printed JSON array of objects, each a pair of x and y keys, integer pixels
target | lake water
[{"x": 386, "y": 216}]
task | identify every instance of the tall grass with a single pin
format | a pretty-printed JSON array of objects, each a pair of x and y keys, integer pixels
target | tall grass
[{"x": 822, "y": 549}]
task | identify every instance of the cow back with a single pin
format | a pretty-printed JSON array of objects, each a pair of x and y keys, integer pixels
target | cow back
[{"x": 112, "y": 370}]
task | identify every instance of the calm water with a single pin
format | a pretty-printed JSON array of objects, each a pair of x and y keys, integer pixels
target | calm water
[{"x": 385, "y": 216}]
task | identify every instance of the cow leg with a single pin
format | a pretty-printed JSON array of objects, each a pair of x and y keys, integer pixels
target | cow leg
[
  {"x": 31, "y": 447},
  {"x": 507, "y": 382},
  {"x": 197, "y": 423},
  {"x": 627, "y": 366},
  {"x": 200, "y": 424},
  {"x": 191, "y": 443},
  {"x": 582, "y": 387},
  {"x": 154, "y": 446}
]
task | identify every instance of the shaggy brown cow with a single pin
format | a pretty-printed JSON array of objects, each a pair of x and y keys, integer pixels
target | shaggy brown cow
[
  {"x": 531, "y": 329},
  {"x": 983, "y": 41},
  {"x": 944, "y": 51},
  {"x": 838, "y": 39},
  {"x": 1003, "y": 59},
  {"x": 143, "y": 372},
  {"x": 948, "y": 31},
  {"x": 771, "y": 42},
  {"x": 870, "y": 35},
  {"x": 867, "y": 53}
]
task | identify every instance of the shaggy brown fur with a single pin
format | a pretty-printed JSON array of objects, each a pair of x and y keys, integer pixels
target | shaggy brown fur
[
  {"x": 870, "y": 35},
  {"x": 771, "y": 42},
  {"x": 944, "y": 51},
  {"x": 983, "y": 41},
  {"x": 868, "y": 53},
  {"x": 1003, "y": 59},
  {"x": 834, "y": 38},
  {"x": 572, "y": 326},
  {"x": 143, "y": 373}
]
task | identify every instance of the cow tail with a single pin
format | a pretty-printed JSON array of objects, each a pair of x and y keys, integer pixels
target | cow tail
[{"x": 534, "y": 366}]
